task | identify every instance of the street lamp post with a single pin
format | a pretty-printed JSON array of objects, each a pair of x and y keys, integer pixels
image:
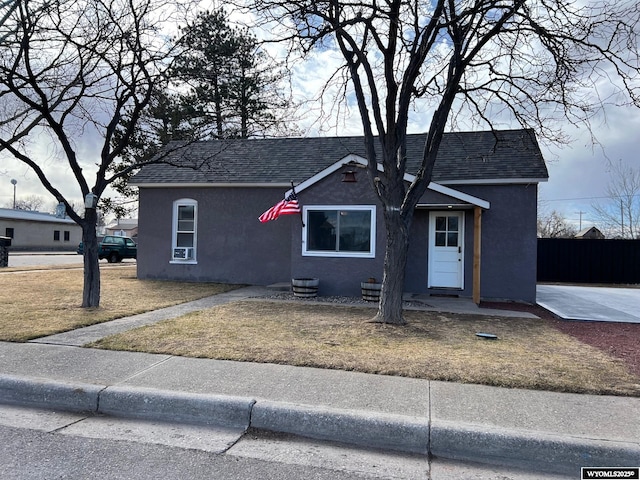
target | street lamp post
[{"x": 13, "y": 182}]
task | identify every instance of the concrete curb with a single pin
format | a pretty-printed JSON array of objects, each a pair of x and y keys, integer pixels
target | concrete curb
[
  {"x": 535, "y": 450},
  {"x": 76, "y": 397},
  {"x": 179, "y": 407},
  {"x": 416, "y": 435},
  {"x": 365, "y": 429},
  {"x": 395, "y": 432}
]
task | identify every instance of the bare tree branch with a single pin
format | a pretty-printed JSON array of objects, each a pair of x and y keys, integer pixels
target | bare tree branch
[
  {"x": 73, "y": 70},
  {"x": 482, "y": 62}
]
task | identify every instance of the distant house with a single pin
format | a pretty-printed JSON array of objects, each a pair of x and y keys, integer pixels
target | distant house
[
  {"x": 123, "y": 227},
  {"x": 591, "y": 232},
  {"x": 473, "y": 233},
  {"x": 39, "y": 231}
]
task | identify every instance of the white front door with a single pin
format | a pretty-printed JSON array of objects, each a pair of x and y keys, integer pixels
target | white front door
[{"x": 446, "y": 250}]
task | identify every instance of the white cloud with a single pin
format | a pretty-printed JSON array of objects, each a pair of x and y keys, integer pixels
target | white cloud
[
  {"x": 579, "y": 173},
  {"x": 46, "y": 151}
]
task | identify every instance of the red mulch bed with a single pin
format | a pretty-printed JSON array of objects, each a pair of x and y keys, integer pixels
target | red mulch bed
[{"x": 620, "y": 340}]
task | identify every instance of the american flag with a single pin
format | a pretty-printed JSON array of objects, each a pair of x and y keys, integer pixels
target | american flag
[{"x": 288, "y": 206}]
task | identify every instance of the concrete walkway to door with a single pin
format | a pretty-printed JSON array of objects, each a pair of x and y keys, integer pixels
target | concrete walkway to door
[{"x": 604, "y": 304}]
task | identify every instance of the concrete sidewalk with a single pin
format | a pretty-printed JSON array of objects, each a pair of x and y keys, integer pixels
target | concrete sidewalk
[{"x": 539, "y": 430}]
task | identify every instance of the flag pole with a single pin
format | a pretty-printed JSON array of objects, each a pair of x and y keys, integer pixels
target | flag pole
[{"x": 293, "y": 189}]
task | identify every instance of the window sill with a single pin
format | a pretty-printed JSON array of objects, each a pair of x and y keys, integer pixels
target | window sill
[
  {"x": 339, "y": 254},
  {"x": 183, "y": 262}
]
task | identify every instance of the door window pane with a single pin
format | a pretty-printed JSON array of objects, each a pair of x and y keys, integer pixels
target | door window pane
[
  {"x": 447, "y": 231},
  {"x": 452, "y": 239}
]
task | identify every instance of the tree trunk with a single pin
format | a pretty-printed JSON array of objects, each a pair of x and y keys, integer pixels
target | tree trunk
[
  {"x": 91, "y": 289},
  {"x": 395, "y": 260}
]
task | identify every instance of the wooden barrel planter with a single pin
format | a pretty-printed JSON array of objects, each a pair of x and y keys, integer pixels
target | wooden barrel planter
[
  {"x": 371, "y": 291},
  {"x": 305, "y": 287}
]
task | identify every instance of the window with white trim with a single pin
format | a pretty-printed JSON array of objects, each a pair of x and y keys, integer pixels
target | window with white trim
[
  {"x": 184, "y": 237},
  {"x": 339, "y": 231}
]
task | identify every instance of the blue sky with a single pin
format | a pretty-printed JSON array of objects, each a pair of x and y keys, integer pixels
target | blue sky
[{"x": 578, "y": 171}]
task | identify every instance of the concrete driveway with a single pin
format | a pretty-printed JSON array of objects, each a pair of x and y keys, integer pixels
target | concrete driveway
[{"x": 604, "y": 304}]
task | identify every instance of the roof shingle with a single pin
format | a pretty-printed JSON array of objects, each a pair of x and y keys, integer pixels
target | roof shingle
[{"x": 463, "y": 156}]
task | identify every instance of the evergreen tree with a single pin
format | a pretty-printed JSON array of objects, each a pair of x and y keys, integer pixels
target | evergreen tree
[
  {"x": 232, "y": 84},
  {"x": 221, "y": 85}
]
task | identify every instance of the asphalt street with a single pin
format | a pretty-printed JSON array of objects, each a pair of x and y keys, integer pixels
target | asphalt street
[
  {"x": 31, "y": 259},
  {"x": 42, "y": 444},
  {"x": 132, "y": 398}
]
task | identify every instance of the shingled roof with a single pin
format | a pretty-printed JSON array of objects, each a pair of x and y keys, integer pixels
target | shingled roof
[{"x": 502, "y": 156}]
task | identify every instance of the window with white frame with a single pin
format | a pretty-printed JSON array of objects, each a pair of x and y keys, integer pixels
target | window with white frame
[
  {"x": 185, "y": 221},
  {"x": 339, "y": 231}
]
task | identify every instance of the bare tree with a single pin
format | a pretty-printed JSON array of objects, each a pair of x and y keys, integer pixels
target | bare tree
[
  {"x": 31, "y": 203},
  {"x": 70, "y": 71},
  {"x": 554, "y": 225},
  {"x": 7, "y": 7},
  {"x": 484, "y": 60},
  {"x": 620, "y": 214}
]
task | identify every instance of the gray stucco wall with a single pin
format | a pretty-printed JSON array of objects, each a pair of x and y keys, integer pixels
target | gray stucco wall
[
  {"x": 233, "y": 246},
  {"x": 509, "y": 241},
  {"x": 339, "y": 276}
]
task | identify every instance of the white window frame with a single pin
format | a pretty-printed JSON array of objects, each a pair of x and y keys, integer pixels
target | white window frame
[
  {"x": 327, "y": 253},
  {"x": 182, "y": 202}
]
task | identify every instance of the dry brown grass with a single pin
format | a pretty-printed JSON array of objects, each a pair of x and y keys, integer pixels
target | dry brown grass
[
  {"x": 43, "y": 302},
  {"x": 529, "y": 353},
  {"x": 32, "y": 268}
]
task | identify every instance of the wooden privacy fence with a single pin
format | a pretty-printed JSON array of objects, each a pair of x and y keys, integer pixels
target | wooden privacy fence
[{"x": 588, "y": 260}]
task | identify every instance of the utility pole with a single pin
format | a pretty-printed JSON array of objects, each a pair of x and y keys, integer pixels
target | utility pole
[
  {"x": 13, "y": 182},
  {"x": 581, "y": 213}
]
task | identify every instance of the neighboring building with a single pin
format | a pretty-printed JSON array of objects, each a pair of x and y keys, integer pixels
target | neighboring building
[
  {"x": 123, "y": 227},
  {"x": 473, "y": 234},
  {"x": 39, "y": 231},
  {"x": 591, "y": 232}
]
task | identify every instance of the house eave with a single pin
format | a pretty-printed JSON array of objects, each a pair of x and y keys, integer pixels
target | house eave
[
  {"x": 31, "y": 216},
  {"x": 211, "y": 185},
  {"x": 494, "y": 181},
  {"x": 464, "y": 197},
  {"x": 362, "y": 162}
]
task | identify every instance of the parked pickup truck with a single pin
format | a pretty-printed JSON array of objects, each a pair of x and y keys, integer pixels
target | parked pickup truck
[{"x": 114, "y": 248}]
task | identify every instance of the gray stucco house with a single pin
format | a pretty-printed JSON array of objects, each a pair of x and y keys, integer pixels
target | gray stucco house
[{"x": 474, "y": 231}]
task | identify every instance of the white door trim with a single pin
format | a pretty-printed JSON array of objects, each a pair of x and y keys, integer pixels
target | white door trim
[{"x": 446, "y": 263}]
